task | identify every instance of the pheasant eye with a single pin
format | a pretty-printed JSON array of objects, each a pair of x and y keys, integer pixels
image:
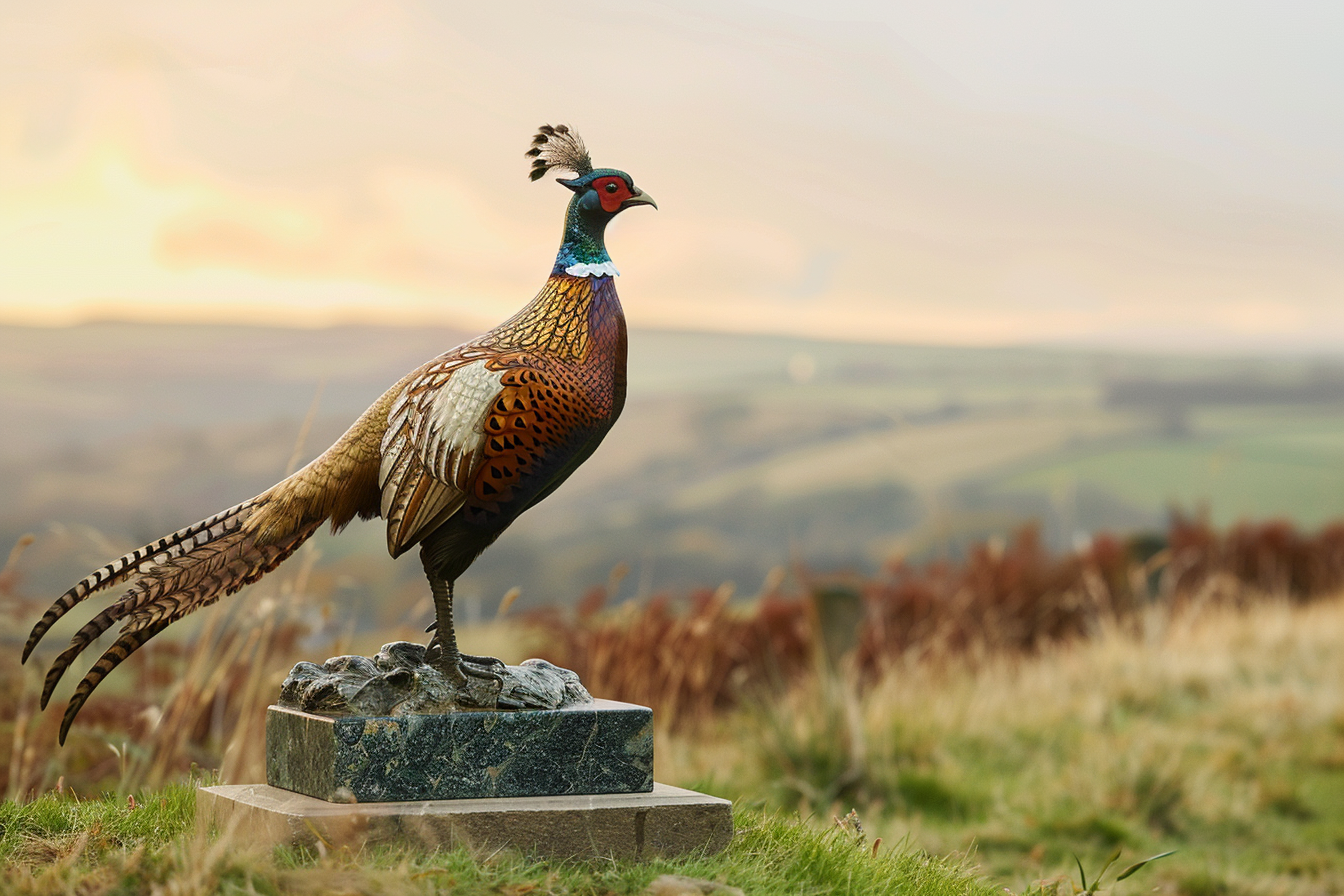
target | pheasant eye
[{"x": 611, "y": 188}]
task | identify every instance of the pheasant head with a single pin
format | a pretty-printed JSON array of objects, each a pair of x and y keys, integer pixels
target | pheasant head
[{"x": 600, "y": 194}]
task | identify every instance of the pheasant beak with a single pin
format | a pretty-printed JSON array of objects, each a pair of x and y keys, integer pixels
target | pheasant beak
[{"x": 640, "y": 198}]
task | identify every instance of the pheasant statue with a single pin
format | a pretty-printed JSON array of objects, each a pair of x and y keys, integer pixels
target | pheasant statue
[{"x": 448, "y": 457}]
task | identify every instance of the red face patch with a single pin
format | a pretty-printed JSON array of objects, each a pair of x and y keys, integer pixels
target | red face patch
[{"x": 612, "y": 191}]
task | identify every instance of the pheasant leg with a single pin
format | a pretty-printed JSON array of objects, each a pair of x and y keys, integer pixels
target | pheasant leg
[
  {"x": 442, "y": 652},
  {"x": 469, "y": 657}
]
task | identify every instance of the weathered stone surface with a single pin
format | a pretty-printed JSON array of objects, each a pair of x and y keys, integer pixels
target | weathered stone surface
[
  {"x": 603, "y": 747},
  {"x": 667, "y": 821},
  {"x": 398, "y": 681},
  {"x": 680, "y": 885}
]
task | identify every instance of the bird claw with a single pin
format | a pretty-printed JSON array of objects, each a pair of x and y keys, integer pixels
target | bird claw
[
  {"x": 466, "y": 665},
  {"x": 470, "y": 666}
]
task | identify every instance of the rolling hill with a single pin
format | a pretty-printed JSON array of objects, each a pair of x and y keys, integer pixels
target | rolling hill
[{"x": 737, "y": 454}]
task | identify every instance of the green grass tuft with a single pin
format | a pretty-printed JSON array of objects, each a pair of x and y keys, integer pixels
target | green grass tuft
[{"x": 55, "y": 825}]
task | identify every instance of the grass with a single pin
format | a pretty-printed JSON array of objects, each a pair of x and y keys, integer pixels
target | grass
[
  {"x": 1219, "y": 734},
  {"x": 59, "y": 825},
  {"x": 57, "y": 845},
  {"x": 1200, "y": 710}
]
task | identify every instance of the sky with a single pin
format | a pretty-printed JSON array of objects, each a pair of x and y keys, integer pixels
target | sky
[{"x": 1145, "y": 175}]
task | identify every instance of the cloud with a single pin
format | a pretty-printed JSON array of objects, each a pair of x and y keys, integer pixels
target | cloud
[{"x": 307, "y": 160}]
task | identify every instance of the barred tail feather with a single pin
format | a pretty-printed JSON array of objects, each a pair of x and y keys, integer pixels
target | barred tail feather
[
  {"x": 137, "y": 562},
  {"x": 159, "y": 574},
  {"x": 126, "y": 644},
  {"x": 168, "y": 593},
  {"x": 175, "y": 576}
]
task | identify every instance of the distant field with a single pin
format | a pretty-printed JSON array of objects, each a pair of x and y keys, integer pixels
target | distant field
[
  {"x": 1283, "y": 462},
  {"x": 736, "y": 454}
]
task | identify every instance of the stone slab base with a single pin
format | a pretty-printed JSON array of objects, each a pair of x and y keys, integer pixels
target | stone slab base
[
  {"x": 599, "y": 747},
  {"x": 668, "y": 821}
]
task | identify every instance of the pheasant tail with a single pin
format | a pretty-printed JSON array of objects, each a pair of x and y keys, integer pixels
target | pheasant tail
[
  {"x": 173, "y": 577},
  {"x": 137, "y": 562}
]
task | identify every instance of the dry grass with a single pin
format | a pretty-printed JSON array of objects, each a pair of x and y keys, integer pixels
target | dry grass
[
  {"x": 190, "y": 699},
  {"x": 1004, "y": 598},
  {"x": 197, "y": 700},
  {"x": 188, "y": 702},
  {"x": 1019, "y": 706},
  {"x": 686, "y": 665},
  {"x": 1216, "y": 731}
]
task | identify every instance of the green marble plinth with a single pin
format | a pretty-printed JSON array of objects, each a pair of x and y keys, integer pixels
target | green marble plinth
[{"x": 598, "y": 748}]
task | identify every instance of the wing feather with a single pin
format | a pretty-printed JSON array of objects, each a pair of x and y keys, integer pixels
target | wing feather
[{"x": 433, "y": 446}]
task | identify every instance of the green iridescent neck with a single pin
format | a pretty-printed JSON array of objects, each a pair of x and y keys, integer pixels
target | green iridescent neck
[{"x": 584, "y": 244}]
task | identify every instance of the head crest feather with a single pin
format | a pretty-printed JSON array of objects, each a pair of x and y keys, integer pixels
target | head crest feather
[{"x": 556, "y": 146}]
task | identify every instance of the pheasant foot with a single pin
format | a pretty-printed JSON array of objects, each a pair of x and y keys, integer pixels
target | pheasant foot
[{"x": 457, "y": 667}]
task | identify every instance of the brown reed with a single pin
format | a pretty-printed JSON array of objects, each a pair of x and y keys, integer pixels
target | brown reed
[
  {"x": 200, "y": 700},
  {"x": 1004, "y": 596}
]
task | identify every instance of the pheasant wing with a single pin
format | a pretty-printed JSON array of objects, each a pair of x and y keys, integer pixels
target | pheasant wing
[
  {"x": 433, "y": 446},
  {"x": 497, "y": 430}
]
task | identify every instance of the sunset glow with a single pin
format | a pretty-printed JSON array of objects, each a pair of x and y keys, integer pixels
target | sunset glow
[{"x": 363, "y": 163}]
